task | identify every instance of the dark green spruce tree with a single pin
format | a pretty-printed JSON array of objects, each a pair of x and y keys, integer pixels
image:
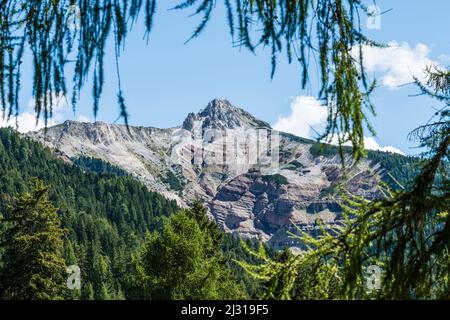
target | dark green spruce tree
[
  {"x": 33, "y": 266},
  {"x": 184, "y": 261}
]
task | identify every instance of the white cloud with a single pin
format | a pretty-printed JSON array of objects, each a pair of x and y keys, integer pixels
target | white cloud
[
  {"x": 398, "y": 63},
  {"x": 27, "y": 120},
  {"x": 371, "y": 144},
  {"x": 307, "y": 115}
]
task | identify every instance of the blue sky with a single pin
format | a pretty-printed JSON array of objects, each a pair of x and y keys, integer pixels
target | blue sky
[{"x": 166, "y": 79}]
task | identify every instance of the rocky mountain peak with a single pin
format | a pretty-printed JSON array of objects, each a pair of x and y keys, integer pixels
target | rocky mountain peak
[
  {"x": 217, "y": 108},
  {"x": 266, "y": 204},
  {"x": 221, "y": 114}
]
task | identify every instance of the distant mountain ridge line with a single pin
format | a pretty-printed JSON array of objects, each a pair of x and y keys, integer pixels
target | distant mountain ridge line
[{"x": 237, "y": 195}]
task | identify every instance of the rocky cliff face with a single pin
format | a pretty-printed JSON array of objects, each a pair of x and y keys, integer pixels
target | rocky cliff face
[
  {"x": 214, "y": 156},
  {"x": 221, "y": 114}
]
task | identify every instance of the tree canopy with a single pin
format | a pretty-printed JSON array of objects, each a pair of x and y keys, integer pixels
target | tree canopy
[
  {"x": 184, "y": 261},
  {"x": 32, "y": 267},
  {"x": 405, "y": 234}
]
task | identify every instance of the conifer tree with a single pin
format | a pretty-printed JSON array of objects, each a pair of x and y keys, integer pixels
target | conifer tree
[
  {"x": 33, "y": 266},
  {"x": 184, "y": 261},
  {"x": 405, "y": 234}
]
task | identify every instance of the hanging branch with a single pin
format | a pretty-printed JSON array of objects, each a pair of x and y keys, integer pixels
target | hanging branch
[
  {"x": 406, "y": 233},
  {"x": 61, "y": 34},
  {"x": 73, "y": 33},
  {"x": 330, "y": 32}
]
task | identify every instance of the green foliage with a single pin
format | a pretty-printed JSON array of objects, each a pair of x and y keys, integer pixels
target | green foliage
[
  {"x": 276, "y": 273},
  {"x": 99, "y": 166},
  {"x": 173, "y": 181},
  {"x": 184, "y": 261},
  {"x": 406, "y": 234},
  {"x": 198, "y": 212},
  {"x": 397, "y": 170},
  {"x": 327, "y": 150},
  {"x": 276, "y": 178},
  {"x": 373, "y": 233},
  {"x": 32, "y": 264},
  {"x": 242, "y": 251},
  {"x": 106, "y": 216},
  {"x": 294, "y": 165}
]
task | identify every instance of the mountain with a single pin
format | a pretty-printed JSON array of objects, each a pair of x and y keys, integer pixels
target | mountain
[
  {"x": 257, "y": 182},
  {"x": 221, "y": 114}
]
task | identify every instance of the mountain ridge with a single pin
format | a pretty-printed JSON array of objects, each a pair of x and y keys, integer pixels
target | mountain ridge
[{"x": 246, "y": 198}]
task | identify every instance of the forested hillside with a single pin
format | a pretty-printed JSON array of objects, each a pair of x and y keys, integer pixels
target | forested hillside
[
  {"x": 396, "y": 168},
  {"x": 106, "y": 215}
]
